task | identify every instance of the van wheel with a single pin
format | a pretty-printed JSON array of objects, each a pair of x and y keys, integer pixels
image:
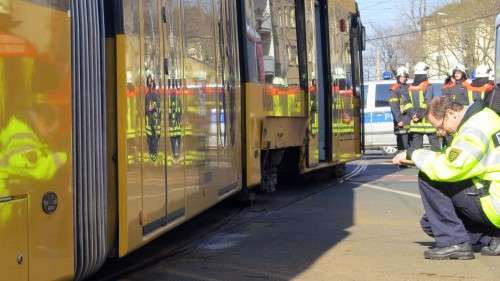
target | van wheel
[{"x": 389, "y": 150}]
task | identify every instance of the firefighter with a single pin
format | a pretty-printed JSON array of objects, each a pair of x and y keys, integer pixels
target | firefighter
[
  {"x": 460, "y": 187},
  {"x": 448, "y": 83},
  {"x": 175, "y": 116},
  {"x": 456, "y": 87},
  {"x": 480, "y": 86},
  {"x": 400, "y": 117},
  {"x": 343, "y": 100},
  {"x": 153, "y": 117},
  {"x": 313, "y": 107},
  {"x": 415, "y": 103}
]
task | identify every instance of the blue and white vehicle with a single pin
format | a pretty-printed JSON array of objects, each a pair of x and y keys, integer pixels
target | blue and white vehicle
[{"x": 378, "y": 121}]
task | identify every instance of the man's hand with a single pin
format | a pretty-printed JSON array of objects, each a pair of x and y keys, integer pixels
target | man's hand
[
  {"x": 399, "y": 159},
  {"x": 400, "y": 124}
]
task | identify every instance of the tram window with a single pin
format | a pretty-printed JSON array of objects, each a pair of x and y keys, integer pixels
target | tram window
[
  {"x": 200, "y": 48},
  {"x": 57, "y": 4},
  {"x": 131, "y": 17},
  {"x": 382, "y": 95},
  {"x": 272, "y": 42},
  {"x": 151, "y": 49},
  {"x": 272, "y": 55},
  {"x": 365, "y": 92}
]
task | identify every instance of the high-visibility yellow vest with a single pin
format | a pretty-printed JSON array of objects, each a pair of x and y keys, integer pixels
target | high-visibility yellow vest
[
  {"x": 23, "y": 155},
  {"x": 473, "y": 154}
]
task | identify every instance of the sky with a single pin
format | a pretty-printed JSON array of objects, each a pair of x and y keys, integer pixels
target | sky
[
  {"x": 379, "y": 12},
  {"x": 385, "y": 12}
]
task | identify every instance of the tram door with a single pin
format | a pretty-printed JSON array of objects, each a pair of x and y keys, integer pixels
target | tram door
[
  {"x": 152, "y": 109},
  {"x": 322, "y": 98},
  {"x": 173, "y": 117},
  {"x": 319, "y": 145}
]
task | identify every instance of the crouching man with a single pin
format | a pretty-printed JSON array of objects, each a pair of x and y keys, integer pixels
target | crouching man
[{"x": 460, "y": 187}]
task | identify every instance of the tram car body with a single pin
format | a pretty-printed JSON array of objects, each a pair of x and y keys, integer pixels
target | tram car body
[{"x": 122, "y": 119}]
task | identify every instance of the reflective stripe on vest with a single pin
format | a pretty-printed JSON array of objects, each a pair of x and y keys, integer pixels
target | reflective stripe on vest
[
  {"x": 489, "y": 164},
  {"x": 421, "y": 98}
]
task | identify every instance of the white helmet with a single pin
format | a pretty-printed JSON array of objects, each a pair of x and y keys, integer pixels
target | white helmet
[
  {"x": 451, "y": 71},
  {"x": 280, "y": 81},
  {"x": 483, "y": 71},
  {"x": 421, "y": 68},
  {"x": 339, "y": 73},
  {"x": 402, "y": 71},
  {"x": 459, "y": 67},
  {"x": 492, "y": 75}
]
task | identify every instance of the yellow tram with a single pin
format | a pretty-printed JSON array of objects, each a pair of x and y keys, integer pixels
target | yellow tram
[{"x": 121, "y": 119}]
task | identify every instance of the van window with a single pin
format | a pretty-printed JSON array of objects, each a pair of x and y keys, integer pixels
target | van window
[
  {"x": 436, "y": 88},
  {"x": 365, "y": 91},
  {"x": 382, "y": 95}
]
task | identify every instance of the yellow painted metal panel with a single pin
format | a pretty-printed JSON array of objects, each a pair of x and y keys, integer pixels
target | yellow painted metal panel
[
  {"x": 282, "y": 132},
  {"x": 255, "y": 115},
  {"x": 35, "y": 130},
  {"x": 112, "y": 143},
  {"x": 129, "y": 144},
  {"x": 348, "y": 5},
  {"x": 14, "y": 240}
]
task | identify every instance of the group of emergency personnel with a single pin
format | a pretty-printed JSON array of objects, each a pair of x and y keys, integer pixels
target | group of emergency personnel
[
  {"x": 409, "y": 101},
  {"x": 460, "y": 184}
]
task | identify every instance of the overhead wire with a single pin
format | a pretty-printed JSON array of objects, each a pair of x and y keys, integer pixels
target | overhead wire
[{"x": 429, "y": 29}]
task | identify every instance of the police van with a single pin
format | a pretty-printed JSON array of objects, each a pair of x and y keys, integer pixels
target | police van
[{"x": 378, "y": 121}]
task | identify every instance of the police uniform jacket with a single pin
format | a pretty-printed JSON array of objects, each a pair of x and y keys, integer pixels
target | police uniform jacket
[{"x": 474, "y": 154}]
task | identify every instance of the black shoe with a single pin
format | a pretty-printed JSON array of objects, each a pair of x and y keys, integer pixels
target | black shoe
[
  {"x": 461, "y": 251},
  {"x": 493, "y": 249}
]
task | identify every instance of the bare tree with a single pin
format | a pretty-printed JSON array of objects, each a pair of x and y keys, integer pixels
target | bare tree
[
  {"x": 461, "y": 31},
  {"x": 458, "y": 31}
]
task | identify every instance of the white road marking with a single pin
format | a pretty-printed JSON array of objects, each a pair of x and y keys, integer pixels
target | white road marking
[
  {"x": 364, "y": 167},
  {"x": 355, "y": 170},
  {"x": 409, "y": 194},
  {"x": 359, "y": 169}
]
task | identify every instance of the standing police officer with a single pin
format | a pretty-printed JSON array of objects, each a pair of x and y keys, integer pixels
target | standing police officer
[
  {"x": 460, "y": 188},
  {"x": 400, "y": 117}
]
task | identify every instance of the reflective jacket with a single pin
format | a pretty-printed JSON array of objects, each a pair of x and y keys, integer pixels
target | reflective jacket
[
  {"x": 23, "y": 155},
  {"x": 153, "y": 114},
  {"x": 457, "y": 92},
  {"x": 398, "y": 112},
  {"x": 415, "y": 103},
  {"x": 474, "y": 154},
  {"x": 343, "y": 122},
  {"x": 477, "y": 93}
]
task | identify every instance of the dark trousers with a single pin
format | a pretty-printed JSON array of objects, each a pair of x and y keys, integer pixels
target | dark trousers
[
  {"x": 447, "y": 140},
  {"x": 453, "y": 214},
  {"x": 402, "y": 141},
  {"x": 417, "y": 141}
]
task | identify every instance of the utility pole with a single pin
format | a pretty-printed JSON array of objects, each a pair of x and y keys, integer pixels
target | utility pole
[{"x": 377, "y": 65}]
